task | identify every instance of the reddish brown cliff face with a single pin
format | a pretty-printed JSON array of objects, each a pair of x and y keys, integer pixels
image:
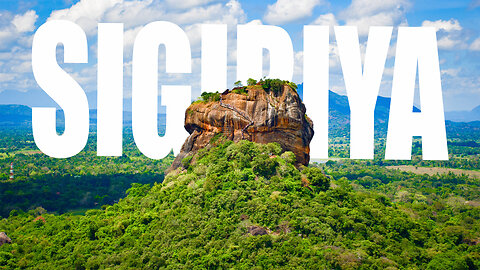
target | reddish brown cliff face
[{"x": 257, "y": 116}]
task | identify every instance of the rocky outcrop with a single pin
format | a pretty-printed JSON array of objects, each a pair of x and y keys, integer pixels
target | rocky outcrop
[
  {"x": 256, "y": 230},
  {"x": 4, "y": 239},
  {"x": 252, "y": 113}
]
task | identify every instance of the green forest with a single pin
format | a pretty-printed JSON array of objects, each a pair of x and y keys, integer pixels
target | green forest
[
  {"x": 245, "y": 206},
  {"x": 61, "y": 185}
]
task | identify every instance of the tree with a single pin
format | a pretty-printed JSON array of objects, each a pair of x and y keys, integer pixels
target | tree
[
  {"x": 317, "y": 178},
  {"x": 251, "y": 82}
]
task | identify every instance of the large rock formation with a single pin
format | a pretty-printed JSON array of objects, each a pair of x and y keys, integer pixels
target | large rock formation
[{"x": 253, "y": 114}]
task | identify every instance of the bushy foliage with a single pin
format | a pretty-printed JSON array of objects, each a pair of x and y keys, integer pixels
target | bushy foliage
[
  {"x": 186, "y": 161},
  {"x": 225, "y": 212},
  {"x": 251, "y": 82},
  {"x": 240, "y": 90},
  {"x": 292, "y": 85},
  {"x": 209, "y": 97},
  {"x": 275, "y": 85},
  {"x": 317, "y": 178},
  {"x": 74, "y": 184}
]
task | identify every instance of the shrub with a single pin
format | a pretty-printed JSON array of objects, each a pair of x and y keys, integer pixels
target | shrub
[
  {"x": 289, "y": 157},
  {"x": 186, "y": 161},
  {"x": 251, "y": 82},
  {"x": 275, "y": 85},
  {"x": 292, "y": 85},
  {"x": 240, "y": 90},
  {"x": 138, "y": 190},
  {"x": 238, "y": 84},
  {"x": 317, "y": 178},
  {"x": 210, "y": 96},
  {"x": 264, "y": 166}
]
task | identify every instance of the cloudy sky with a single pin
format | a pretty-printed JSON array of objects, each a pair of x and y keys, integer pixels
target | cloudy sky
[{"x": 457, "y": 24}]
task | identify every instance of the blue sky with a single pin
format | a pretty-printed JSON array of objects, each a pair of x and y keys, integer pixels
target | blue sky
[{"x": 457, "y": 24}]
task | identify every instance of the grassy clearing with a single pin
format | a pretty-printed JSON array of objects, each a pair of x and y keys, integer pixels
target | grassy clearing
[{"x": 434, "y": 170}]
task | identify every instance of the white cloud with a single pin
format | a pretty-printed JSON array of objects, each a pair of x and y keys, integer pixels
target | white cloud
[
  {"x": 447, "y": 43},
  {"x": 326, "y": 19},
  {"x": 255, "y": 22},
  {"x": 298, "y": 66},
  {"x": 366, "y": 13},
  {"x": 15, "y": 50},
  {"x": 388, "y": 71},
  {"x": 361, "y": 8},
  {"x": 25, "y": 22},
  {"x": 451, "y": 71},
  {"x": 194, "y": 34},
  {"x": 135, "y": 14},
  {"x": 334, "y": 63},
  {"x": 86, "y": 76},
  {"x": 22, "y": 66},
  {"x": 284, "y": 11},
  {"x": 129, "y": 36},
  {"x": 85, "y": 13},
  {"x": 15, "y": 30},
  {"x": 449, "y": 34},
  {"x": 186, "y": 3},
  {"x": 4, "y": 77},
  {"x": 230, "y": 13},
  {"x": 6, "y": 35},
  {"x": 475, "y": 46},
  {"x": 447, "y": 26}
]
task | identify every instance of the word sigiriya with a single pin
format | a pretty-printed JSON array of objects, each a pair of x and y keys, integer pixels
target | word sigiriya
[{"x": 416, "y": 48}]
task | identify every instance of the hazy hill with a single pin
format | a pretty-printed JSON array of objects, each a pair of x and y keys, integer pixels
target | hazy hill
[
  {"x": 464, "y": 116},
  {"x": 339, "y": 106},
  {"x": 21, "y": 116},
  {"x": 15, "y": 115}
]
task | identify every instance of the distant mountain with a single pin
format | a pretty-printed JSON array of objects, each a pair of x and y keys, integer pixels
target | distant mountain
[
  {"x": 339, "y": 113},
  {"x": 21, "y": 116},
  {"x": 32, "y": 98},
  {"x": 464, "y": 116},
  {"x": 38, "y": 98},
  {"x": 459, "y": 125},
  {"x": 15, "y": 115}
]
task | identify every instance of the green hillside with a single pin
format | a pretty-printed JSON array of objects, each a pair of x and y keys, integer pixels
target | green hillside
[{"x": 245, "y": 206}]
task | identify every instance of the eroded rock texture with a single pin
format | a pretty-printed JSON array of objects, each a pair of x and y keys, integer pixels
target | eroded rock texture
[{"x": 257, "y": 115}]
